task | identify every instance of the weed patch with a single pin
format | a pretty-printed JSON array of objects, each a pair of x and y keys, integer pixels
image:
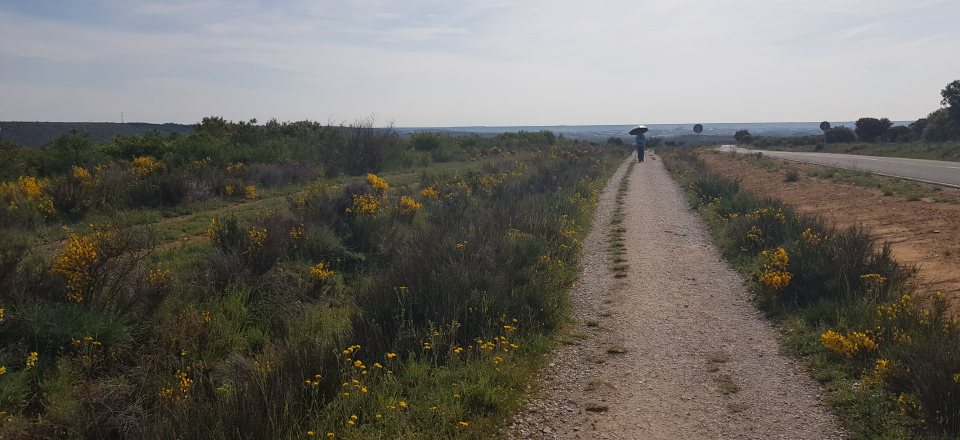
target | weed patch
[
  {"x": 726, "y": 385},
  {"x": 597, "y": 408}
]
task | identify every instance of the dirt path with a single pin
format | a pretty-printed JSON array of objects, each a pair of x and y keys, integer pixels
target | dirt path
[{"x": 689, "y": 333}]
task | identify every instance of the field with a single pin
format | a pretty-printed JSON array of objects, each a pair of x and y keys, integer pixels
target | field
[{"x": 286, "y": 281}]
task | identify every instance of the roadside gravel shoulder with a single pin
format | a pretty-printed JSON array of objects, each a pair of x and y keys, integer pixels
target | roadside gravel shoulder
[{"x": 678, "y": 349}]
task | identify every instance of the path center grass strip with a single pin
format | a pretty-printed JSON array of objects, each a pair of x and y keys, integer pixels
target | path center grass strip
[
  {"x": 889, "y": 355},
  {"x": 355, "y": 309}
]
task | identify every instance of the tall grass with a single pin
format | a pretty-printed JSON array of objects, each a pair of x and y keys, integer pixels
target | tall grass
[{"x": 887, "y": 352}]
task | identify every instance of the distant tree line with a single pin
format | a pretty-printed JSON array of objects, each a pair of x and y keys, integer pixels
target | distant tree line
[
  {"x": 351, "y": 149},
  {"x": 941, "y": 125}
]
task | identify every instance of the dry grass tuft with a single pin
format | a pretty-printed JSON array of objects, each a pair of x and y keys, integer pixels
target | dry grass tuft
[{"x": 596, "y": 407}]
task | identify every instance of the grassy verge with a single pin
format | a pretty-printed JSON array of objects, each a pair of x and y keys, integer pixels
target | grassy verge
[
  {"x": 949, "y": 151},
  {"x": 889, "y": 356},
  {"x": 619, "y": 265},
  {"x": 889, "y": 186}
]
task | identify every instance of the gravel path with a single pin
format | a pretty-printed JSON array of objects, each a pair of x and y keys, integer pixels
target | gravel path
[{"x": 690, "y": 334}]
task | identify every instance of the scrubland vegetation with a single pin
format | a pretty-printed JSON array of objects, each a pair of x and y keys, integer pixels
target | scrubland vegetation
[
  {"x": 285, "y": 281},
  {"x": 888, "y": 354}
]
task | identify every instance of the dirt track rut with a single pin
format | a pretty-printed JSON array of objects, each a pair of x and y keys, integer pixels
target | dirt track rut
[{"x": 690, "y": 333}]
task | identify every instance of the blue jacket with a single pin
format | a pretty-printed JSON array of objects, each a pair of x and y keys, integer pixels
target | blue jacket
[{"x": 641, "y": 140}]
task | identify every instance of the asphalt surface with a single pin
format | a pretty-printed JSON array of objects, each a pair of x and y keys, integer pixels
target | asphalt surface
[{"x": 929, "y": 171}]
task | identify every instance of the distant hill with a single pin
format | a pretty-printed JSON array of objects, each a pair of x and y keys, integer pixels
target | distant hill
[{"x": 35, "y": 134}]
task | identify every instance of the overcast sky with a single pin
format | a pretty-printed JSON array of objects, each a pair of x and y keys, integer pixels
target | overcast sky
[{"x": 454, "y": 63}]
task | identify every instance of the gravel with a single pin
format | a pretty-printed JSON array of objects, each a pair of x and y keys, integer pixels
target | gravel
[{"x": 679, "y": 313}]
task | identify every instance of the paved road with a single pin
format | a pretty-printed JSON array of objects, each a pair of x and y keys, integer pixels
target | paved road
[{"x": 929, "y": 171}]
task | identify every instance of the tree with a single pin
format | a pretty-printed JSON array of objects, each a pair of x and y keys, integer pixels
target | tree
[
  {"x": 900, "y": 133},
  {"x": 951, "y": 99},
  {"x": 918, "y": 126},
  {"x": 66, "y": 151},
  {"x": 941, "y": 127},
  {"x": 15, "y": 160},
  {"x": 740, "y": 136},
  {"x": 615, "y": 140},
  {"x": 840, "y": 134},
  {"x": 870, "y": 129}
]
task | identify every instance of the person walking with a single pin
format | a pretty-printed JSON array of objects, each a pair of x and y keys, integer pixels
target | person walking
[{"x": 641, "y": 145}]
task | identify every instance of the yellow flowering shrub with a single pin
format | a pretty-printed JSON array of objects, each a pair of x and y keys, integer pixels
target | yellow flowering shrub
[
  {"x": 320, "y": 272},
  {"x": 182, "y": 392},
  {"x": 296, "y": 236},
  {"x": 755, "y": 236},
  {"x": 250, "y": 193},
  {"x": 407, "y": 207},
  {"x": 80, "y": 173},
  {"x": 158, "y": 277},
  {"x": 852, "y": 344},
  {"x": 27, "y": 190},
  {"x": 75, "y": 262},
  {"x": 146, "y": 165},
  {"x": 199, "y": 164},
  {"x": 809, "y": 237},
  {"x": 379, "y": 185},
  {"x": 31, "y": 361},
  {"x": 910, "y": 406},
  {"x": 365, "y": 204},
  {"x": 30, "y": 188},
  {"x": 775, "y": 274},
  {"x": 429, "y": 193},
  {"x": 258, "y": 236},
  {"x": 885, "y": 372}
]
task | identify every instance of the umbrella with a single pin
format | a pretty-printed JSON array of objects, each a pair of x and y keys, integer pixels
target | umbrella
[{"x": 638, "y": 129}]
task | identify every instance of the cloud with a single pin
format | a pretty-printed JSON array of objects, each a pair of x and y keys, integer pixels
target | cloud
[{"x": 499, "y": 62}]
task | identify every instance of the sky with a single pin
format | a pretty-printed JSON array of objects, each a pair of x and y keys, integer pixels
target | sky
[{"x": 420, "y": 63}]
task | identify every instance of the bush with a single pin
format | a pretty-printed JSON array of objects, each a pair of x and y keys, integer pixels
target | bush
[
  {"x": 97, "y": 270},
  {"x": 872, "y": 129},
  {"x": 840, "y": 134},
  {"x": 60, "y": 155},
  {"x": 356, "y": 149},
  {"x": 791, "y": 175},
  {"x": 900, "y": 133},
  {"x": 743, "y": 136},
  {"x": 16, "y": 161},
  {"x": 951, "y": 99},
  {"x": 940, "y": 127}
]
